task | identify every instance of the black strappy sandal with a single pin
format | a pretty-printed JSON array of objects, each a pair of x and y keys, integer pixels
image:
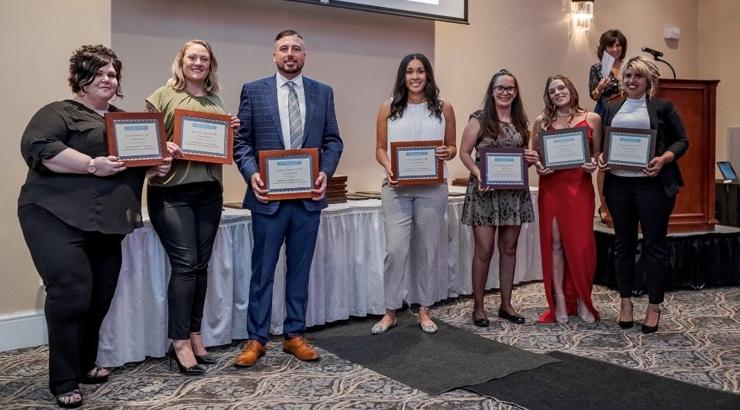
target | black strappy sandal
[
  {"x": 94, "y": 376},
  {"x": 65, "y": 400}
]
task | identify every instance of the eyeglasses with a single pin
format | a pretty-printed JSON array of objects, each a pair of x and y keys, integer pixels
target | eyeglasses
[{"x": 501, "y": 90}]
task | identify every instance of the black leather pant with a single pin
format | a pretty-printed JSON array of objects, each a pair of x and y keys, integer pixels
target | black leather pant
[{"x": 186, "y": 218}]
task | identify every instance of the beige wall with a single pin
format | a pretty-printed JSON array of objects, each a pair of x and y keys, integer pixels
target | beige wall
[
  {"x": 356, "y": 53},
  {"x": 719, "y": 58},
  {"x": 533, "y": 39},
  {"x": 37, "y": 37}
]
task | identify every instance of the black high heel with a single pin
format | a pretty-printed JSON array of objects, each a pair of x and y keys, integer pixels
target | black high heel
[
  {"x": 206, "y": 359},
  {"x": 627, "y": 323},
  {"x": 651, "y": 329},
  {"x": 196, "y": 370}
]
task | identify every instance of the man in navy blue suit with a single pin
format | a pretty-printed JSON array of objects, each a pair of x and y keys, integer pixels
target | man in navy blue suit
[{"x": 284, "y": 111}]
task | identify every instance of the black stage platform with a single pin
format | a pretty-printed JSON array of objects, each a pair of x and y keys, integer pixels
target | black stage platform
[{"x": 698, "y": 259}]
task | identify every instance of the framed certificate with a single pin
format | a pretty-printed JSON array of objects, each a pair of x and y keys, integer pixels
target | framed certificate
[
  {"x": 289, "y": 173},
  {"x": 503, "y": 168},
  {"x": 415, "y": 162},
  {"x": 564, "y": 149},
  {"x": 137, "y": 138},
  {"x": 204, "y": 137},
  {"x": 629, "y": 148}
]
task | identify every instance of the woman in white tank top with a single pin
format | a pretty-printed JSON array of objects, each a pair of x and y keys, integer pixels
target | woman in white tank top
[{"x": 413, "y": 215}]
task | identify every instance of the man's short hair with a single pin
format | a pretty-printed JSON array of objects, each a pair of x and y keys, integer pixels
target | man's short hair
[{"x": 287, "y": 33}]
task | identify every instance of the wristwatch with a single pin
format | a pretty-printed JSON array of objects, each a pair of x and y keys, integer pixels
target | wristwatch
[{"x": 91, "y": 168}]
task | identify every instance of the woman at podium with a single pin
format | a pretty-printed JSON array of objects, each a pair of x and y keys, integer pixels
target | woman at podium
[
  {"x": 603, "y": 89},
  {"x": 643, "y": 196}
]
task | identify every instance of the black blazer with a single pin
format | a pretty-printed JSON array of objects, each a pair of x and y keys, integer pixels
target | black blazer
[{"x": 671, "y": 136}]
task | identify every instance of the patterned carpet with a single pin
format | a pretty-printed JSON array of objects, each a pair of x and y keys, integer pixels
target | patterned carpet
[{"x": 698, "y": 342}]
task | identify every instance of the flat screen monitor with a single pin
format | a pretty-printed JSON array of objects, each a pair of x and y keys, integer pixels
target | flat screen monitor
[
  {"x": 725, "y": 168},
  {"x": 453, "y": 11}
]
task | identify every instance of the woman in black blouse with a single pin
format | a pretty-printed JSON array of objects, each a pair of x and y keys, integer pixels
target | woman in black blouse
[
  {"x": 602, "y": 90},
  {"x": 75, "y": 208}
]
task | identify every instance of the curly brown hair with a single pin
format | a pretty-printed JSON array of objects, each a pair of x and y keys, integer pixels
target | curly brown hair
[{"x": 85, "y": 63}]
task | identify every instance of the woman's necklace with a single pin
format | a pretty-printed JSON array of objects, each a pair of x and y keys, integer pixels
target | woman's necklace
[{"x": 562, "y": 114}]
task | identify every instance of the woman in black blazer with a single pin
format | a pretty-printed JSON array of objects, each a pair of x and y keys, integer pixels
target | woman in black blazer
[{"x": 647, "y": 196}]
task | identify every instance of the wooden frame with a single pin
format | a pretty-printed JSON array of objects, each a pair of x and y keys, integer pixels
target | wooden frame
[
  {"x": 637, "y": 132},
  {"x": 487, "y": 153},
  {"x": 291, "y": 192},
  {"x": 544, "y": 136},
  {"x": 431, "y": 179},
  {"x": 112, "y": 119},
  {"x": 204, "y": 117}
]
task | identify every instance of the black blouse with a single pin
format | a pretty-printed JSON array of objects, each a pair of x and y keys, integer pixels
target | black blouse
[
  {"x": 110, "y": 205},
  {"x": 595, "y": 76}
]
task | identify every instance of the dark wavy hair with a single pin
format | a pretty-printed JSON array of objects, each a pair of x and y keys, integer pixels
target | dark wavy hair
[
  {"x": 85, "y": 63},
  {"x": 401, "y": 93},
  {"x": 609, "y": 38},
  {"x": 490, "y": 123}
]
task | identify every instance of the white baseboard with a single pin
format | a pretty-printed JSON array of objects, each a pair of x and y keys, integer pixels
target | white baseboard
[{"x": 22, "y": 329}]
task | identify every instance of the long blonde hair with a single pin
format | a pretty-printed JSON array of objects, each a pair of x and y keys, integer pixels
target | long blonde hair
[{"x": 177, "y": 81}]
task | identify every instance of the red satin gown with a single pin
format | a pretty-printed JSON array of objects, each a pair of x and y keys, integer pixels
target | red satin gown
[{"x": 568, "y": 196}]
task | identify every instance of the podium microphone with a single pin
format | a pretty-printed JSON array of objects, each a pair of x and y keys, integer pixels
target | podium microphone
[
  {"x": 657, "y": 56},
  {"x": 655, "y": 53}
]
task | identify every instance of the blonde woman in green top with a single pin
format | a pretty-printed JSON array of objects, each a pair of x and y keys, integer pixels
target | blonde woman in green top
[{"x": 185, "y": 205}]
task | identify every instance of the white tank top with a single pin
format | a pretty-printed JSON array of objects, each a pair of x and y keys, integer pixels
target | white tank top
[{"x": 417, "y": 124}]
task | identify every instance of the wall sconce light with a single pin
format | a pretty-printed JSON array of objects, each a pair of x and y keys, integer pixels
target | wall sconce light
[{"x": 582, "y": 11}]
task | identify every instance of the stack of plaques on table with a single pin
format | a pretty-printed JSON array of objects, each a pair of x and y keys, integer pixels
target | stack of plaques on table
[
  {"x": 233, "y": 204},
  {"x": 336, "y": 190},
  {"x": 462, "y": 181},
  {"x": 363, "y": 195}
]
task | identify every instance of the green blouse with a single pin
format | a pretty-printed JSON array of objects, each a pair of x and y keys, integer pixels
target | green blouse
[{"x": 165, "y": 100}]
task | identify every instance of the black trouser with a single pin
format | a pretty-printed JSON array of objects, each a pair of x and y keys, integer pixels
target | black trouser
[
  {"x": 80, "y": 272},
  {"x": 643, "y": 200},
  {"x": 186, "y": 218}
]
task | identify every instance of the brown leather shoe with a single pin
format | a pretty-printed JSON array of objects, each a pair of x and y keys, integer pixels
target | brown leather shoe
[
  {"x": 249, "y": 355},
  {"x": 299, "y": 347}
]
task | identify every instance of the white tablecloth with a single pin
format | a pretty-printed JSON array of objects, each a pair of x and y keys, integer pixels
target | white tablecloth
[{"x": 346, "y": 278}]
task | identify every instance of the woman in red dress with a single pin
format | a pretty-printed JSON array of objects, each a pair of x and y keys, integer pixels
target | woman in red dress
[{"x": 566, "y": 210}]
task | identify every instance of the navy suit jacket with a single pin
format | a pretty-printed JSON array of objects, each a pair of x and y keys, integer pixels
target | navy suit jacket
[
  {"x": 260, "y": 130},
  {"x": 671, "y": 136}
]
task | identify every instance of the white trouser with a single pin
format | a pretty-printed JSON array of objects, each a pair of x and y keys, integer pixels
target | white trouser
[{"x": 414, "y": 219}]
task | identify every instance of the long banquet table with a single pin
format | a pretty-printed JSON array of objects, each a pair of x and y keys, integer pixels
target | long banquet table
[{"x": 346, "y": 277}]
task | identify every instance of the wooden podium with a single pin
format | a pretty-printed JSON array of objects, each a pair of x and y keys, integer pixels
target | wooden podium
[{"x": 695, "y": 101}]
